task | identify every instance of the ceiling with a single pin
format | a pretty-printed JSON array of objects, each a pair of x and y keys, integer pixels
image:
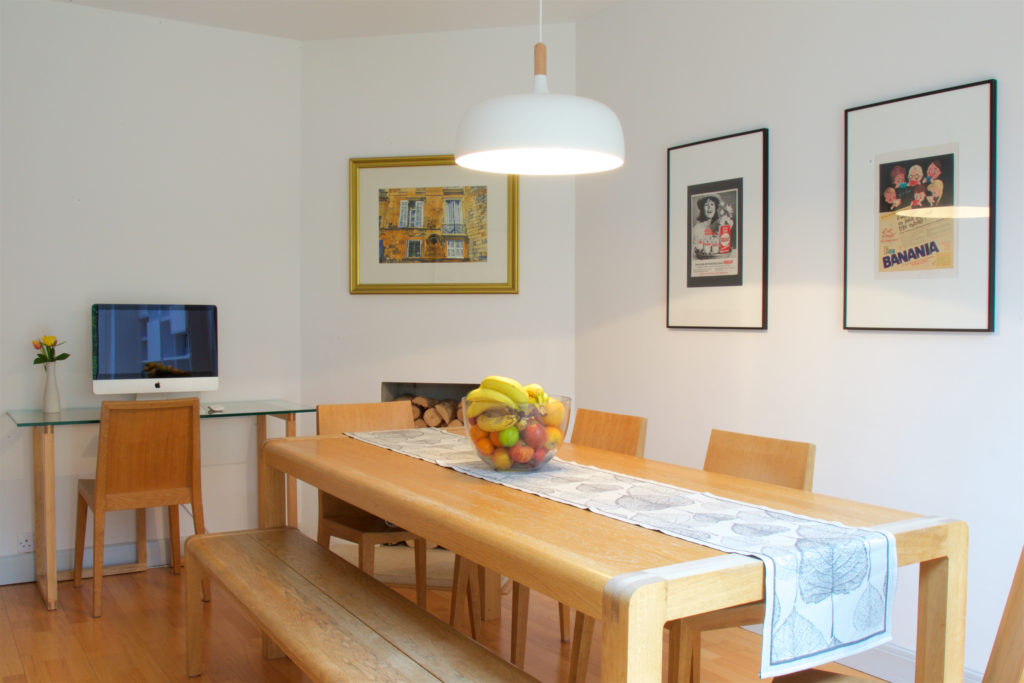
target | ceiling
[{"x": 325, "y": 19}]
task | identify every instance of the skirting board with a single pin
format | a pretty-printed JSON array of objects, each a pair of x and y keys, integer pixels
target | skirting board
[{"x": 21, "y": 568}]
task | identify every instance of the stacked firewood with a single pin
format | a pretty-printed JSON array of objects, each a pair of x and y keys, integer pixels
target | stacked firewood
[{"x": 430, "y": 412}]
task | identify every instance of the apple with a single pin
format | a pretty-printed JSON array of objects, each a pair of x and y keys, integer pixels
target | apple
[
  {"x": 521, "y": 452},
  {"x": 539, "y": 454},
  {"x": 535, "y": 434},
  {"x": 501, "y": 459}
]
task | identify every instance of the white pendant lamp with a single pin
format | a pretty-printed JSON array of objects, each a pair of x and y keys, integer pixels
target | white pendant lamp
[{"x": 540, "y": 133}]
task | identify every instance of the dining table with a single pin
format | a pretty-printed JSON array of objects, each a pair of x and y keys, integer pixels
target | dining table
[{"x": 632, "y": 578}]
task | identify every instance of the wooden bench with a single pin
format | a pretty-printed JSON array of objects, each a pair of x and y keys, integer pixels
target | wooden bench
[{"x": 333, "y": 621}]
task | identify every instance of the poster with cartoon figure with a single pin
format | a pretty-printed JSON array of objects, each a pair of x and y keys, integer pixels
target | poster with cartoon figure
[
  {"x": 916, "y": 225},
  {"x": 714, "y": 223}
]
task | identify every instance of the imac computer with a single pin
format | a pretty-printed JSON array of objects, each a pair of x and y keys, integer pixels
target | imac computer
[{"x": 154, "y": 348}]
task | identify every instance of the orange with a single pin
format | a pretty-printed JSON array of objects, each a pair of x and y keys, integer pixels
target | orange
[
  {"x": 493, "y": 436},
  {"x": 484, "y": 445},
  {"x": 475, "y": 433},
  {"x": 554, "y": 414}
]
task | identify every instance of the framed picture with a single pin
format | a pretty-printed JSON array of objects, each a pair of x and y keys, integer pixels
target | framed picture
[
  {"x": 920, "y": 212},
  {"x": 422, "y": 225},
  {"x": 718, "y": 232}
]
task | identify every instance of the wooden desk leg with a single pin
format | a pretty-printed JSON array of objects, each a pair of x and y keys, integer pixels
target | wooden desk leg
[
  {"x": 45, "y": 515},
  {"x": 634, "y": 618},
  {"x": 941, "y": 611},
  {"x": 291, "y": 483}
]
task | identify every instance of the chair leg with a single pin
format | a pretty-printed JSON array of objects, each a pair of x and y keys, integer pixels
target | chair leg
[
  {"x": 323, "y": 537},
  {"x": 563, "y": 622},
  {"x": 579, "y": 656},
  {"x": 465, "y": 580},
  {"x": 200, "y": 528},
  {"x": 683, "y": 653},
  {"x": 194, "y": 597},
  {"x": 520, "y": 616},
  {"x": 80, "y": 517},
  {"x": 98, "y": 523},
  {"x": 420, "y": 553},
  {"x": 141, "y": 555},
  {"x": 366, "y": 553},
  {"x": 175, "y": 538}
]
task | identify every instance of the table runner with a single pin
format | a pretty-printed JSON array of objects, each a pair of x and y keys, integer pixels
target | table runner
[{"x": 831, "y": 585}]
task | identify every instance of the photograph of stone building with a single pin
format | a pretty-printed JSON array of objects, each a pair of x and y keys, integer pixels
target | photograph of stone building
[{"x": 432, "y": 224}]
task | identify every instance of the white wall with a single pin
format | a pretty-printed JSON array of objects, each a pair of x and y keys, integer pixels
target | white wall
[
  {"x": 143, "y": 161},
  {"x": 927, "y": 422}
]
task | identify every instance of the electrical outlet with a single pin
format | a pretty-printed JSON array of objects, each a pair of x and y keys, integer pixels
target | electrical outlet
[{"x": 25, "y": 544}]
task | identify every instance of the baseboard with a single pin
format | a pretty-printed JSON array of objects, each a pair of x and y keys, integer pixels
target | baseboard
[{"x": 21, "y": 568}]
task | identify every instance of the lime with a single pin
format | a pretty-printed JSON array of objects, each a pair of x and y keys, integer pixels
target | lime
[{"x": 509, "y": 436}]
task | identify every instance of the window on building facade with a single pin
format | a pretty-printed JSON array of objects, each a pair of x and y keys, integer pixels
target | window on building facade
[
  {"x": 453, "y": 217},
  {"x": 411, "y": 214},
  {"x": 414, "y": 249},
  {"x": 456, "y": 249}
]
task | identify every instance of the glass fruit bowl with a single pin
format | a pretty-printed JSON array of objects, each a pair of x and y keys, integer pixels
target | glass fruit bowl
[{"x": 520, "y": 436}]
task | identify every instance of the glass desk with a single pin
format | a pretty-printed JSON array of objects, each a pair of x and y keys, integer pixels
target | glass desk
[{"x": 43, "y": 426}]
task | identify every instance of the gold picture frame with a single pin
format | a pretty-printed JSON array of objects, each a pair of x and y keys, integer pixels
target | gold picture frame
[{"x": 422, "y": 225}]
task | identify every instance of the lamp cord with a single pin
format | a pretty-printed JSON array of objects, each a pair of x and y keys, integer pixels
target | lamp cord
[{"x": 540, "y": 21}]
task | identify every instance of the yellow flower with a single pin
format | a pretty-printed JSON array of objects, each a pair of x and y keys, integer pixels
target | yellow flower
[{"x": 49, "y": 340}]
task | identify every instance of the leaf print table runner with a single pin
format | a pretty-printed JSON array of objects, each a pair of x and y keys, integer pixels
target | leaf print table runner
[{"x": 830, "y": 587}]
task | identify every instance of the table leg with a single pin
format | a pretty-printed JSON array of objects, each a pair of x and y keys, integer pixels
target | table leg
[
  {"x": 634, "y": 618},
  {"x": 45, "y": 515},
  {"x": 942, "y": 609},
  {"x": 270, "y": 487},
  {"x": 291, "y": 483},
  {"x": 271, "y": 495}
]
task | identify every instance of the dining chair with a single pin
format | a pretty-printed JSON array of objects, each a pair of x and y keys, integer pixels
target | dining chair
[
  {"x": 147, "y": 456},
  {"x": 338, "y": 518},
  {"x": 1005, "y": 662},
  {"x": 596, "y": 429},
  {"x": 774, "y": 461}
]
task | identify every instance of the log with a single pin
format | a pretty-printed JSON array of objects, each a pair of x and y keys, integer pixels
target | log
[
  {"x": 447, "y": 409},
  {"x": 432, "y": 418},
  {"x": 424, "y": 402}
]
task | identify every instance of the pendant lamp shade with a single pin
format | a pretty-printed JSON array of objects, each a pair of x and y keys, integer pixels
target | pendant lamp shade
[{"x": 539, "y": 133}]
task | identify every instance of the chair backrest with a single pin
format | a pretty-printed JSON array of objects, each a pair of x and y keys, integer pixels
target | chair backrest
[
  {"x": 1006, "y": 663},
  {"x": 774, "y": 461},
  {"x": 335, "y": 418},
  {"x": 148, "y": 450},
  {"x": 610, "y": 431}
]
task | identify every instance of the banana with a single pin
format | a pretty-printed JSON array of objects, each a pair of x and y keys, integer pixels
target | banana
[
  {"x": 490, "y": 396},
  {"x": 508, "y": 386},
  {"x": 474, "y": 408},
  {"x": 537, "y": 394},
  {"x": 495, "y": 420}
]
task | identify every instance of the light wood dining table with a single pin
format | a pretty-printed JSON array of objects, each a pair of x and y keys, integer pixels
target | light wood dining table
[{"x": 633, "y": 579}]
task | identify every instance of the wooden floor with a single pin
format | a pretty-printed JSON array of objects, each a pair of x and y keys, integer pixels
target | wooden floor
[{"x": 141, "y": 637}]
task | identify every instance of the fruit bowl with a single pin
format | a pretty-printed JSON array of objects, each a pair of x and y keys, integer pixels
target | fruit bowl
[{"x": 519, "y": 437}]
